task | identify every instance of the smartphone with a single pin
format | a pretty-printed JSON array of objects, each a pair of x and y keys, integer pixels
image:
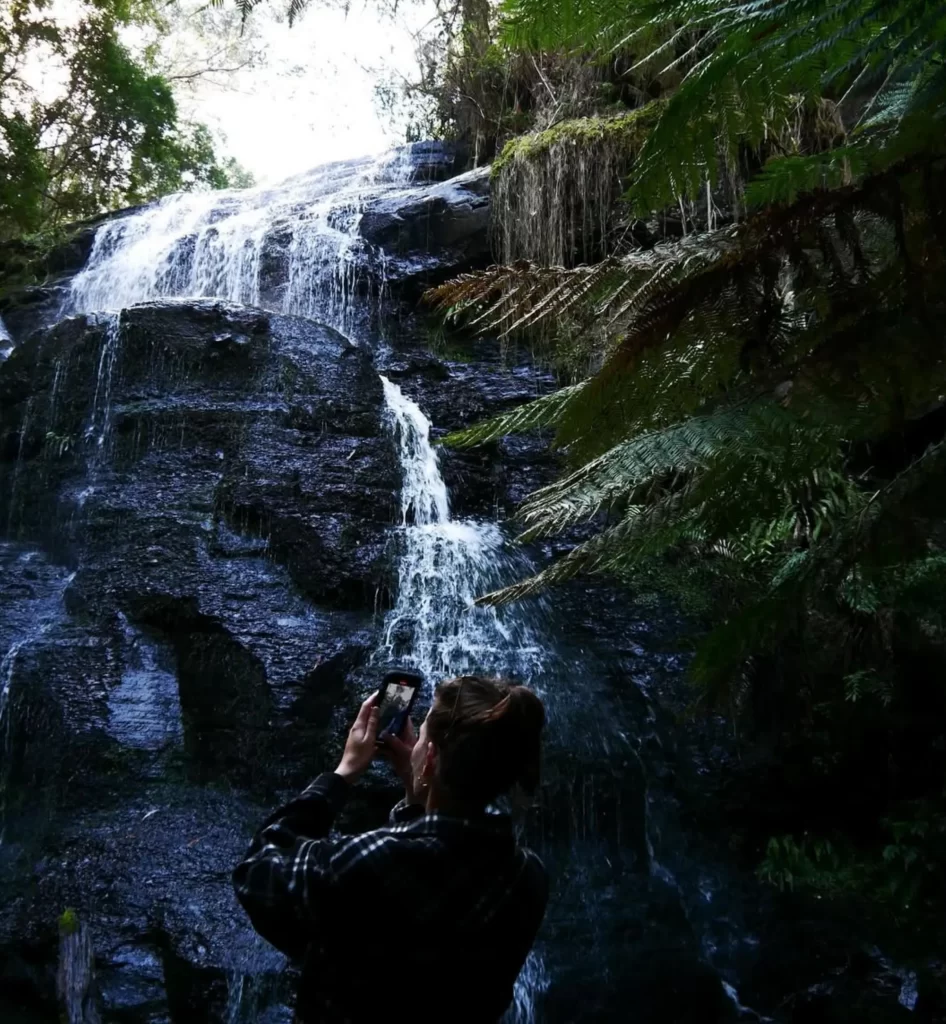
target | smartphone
[{"x": 395, "y": 699}]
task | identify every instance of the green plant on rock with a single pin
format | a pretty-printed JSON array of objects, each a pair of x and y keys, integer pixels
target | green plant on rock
[
  {"x": 59, "y": 444},
  {"x": 913, "y": 859},
  {"x": 68, "y": 922},
  {"x": 902, "y": 874},
  {"x": 554, "y": 190},
  {"x": 812, "y": 863}
]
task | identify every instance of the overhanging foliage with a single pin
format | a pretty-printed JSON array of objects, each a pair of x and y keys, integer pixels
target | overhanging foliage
[{"x": 770, "y": 392}]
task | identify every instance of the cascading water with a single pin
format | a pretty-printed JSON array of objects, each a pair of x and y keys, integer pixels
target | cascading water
[
  {"x": 7, "y": 668},
  {"x": 100, "y": 421},
  {"x": 435, "y": 626},
  {"x": 6, "y": 341},
  {"x": 225, "y": 245},
  {"x": 75, "y": 979},
  {"x": 229, "y": 244},
  {"x": 445, "y": 564},
  {"x": 296, "y": 248}
]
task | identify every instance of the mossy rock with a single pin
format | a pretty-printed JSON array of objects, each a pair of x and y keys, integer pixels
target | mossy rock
[
  {"x": 626, "y": 131},
  {"x": 68, "y": 922}
]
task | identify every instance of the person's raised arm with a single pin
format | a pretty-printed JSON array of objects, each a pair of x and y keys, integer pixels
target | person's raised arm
[{"x": 284, "y": 880}]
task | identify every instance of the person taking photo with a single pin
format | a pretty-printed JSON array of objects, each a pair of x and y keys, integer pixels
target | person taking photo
[{"x": 440, "y": 907}]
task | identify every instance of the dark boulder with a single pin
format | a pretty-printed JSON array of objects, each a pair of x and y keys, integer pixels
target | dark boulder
[{"x": 426, "y": 235}]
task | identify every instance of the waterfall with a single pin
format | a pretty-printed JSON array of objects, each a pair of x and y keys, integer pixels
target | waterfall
[
  {"x": 231, "y": 244},
  {"x": 444, "y": 565},
  {"x": 6, "y": 341},
  {"x": 435, "y": 626},
  {"x": 100, "y": 421}
]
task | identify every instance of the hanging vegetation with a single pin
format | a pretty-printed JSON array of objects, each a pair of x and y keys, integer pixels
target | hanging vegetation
[{"x": 554, "y": 190}]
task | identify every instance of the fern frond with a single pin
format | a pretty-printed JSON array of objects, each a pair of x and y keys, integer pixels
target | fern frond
[
  {"x": 758, "y": 388},
  {"x": 295, "y": 8},
  {"x": 542, "y": 412}
]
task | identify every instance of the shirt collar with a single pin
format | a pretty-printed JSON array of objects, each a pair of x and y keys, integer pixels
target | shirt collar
[{"x": 492, "y": 823}]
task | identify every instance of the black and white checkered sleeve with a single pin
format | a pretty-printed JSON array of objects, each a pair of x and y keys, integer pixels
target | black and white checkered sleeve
[{"x": 283, "y": 879}]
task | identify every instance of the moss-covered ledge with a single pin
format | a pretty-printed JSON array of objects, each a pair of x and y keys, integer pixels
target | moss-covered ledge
[
  {"x": 554, "y": 189},
  {"x": 627, "y": 130}
]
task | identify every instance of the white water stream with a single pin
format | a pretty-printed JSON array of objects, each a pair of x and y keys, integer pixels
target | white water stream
[
  {"x": 435, "y": 626},
  {"x": 6, "y": 341},
  {"x": 291, "y": 248},
  {"x": 216, "y": 245},
  {"x": 445, "y": 564},
  {"x": 7, "y": 668}
]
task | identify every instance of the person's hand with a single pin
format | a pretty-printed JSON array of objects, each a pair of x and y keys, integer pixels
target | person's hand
[
  {"x": 397, "y": 750},
  {"x": 361, "y": 745}
]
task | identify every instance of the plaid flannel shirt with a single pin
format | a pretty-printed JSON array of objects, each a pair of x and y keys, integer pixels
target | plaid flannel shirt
[{"x": 449, "y": 905}]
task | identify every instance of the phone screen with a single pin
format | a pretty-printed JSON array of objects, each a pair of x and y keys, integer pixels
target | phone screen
[{"x": 394, "y": 703}]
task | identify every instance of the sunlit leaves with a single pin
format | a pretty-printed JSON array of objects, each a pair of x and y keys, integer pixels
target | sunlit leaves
[{"x": 110, "y": 136}]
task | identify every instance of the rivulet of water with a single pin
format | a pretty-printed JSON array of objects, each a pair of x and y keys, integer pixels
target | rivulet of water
[
  {"x": 100, "y": 420},
  {"x": 7, "y": 666},
  {"x": 532, "y": 982},
  {"x": 292, "y": 248},
  {"x": 445, "y": 564},
  {"x": 75, "y": 978}
]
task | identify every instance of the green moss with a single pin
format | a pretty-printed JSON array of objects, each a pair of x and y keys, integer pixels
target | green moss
[
  {"x": 23, "y": 260},
  {"x": 68, "y": 922},
  {"x": 625, "y": 131}
]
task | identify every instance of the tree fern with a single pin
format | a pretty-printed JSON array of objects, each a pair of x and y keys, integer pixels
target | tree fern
[
  {"x": 293, "y": 8},
  {"x": 542, "y": 412},
  {"x": 756, "y": 387}
]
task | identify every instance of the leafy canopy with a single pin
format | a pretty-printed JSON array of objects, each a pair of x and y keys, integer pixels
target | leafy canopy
[
  {"x": 85, "y": 125},
  {"x": 768, "y": 393}
]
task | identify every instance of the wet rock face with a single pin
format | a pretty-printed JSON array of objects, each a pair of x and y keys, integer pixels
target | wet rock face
[
  {"x": 430, "y": 234},
  {"x": 208, "y": 424},
  {"x": 215, "y": 487},
  {"x": 219, "y": 478},
  {"x": 197, "y": 504}
]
